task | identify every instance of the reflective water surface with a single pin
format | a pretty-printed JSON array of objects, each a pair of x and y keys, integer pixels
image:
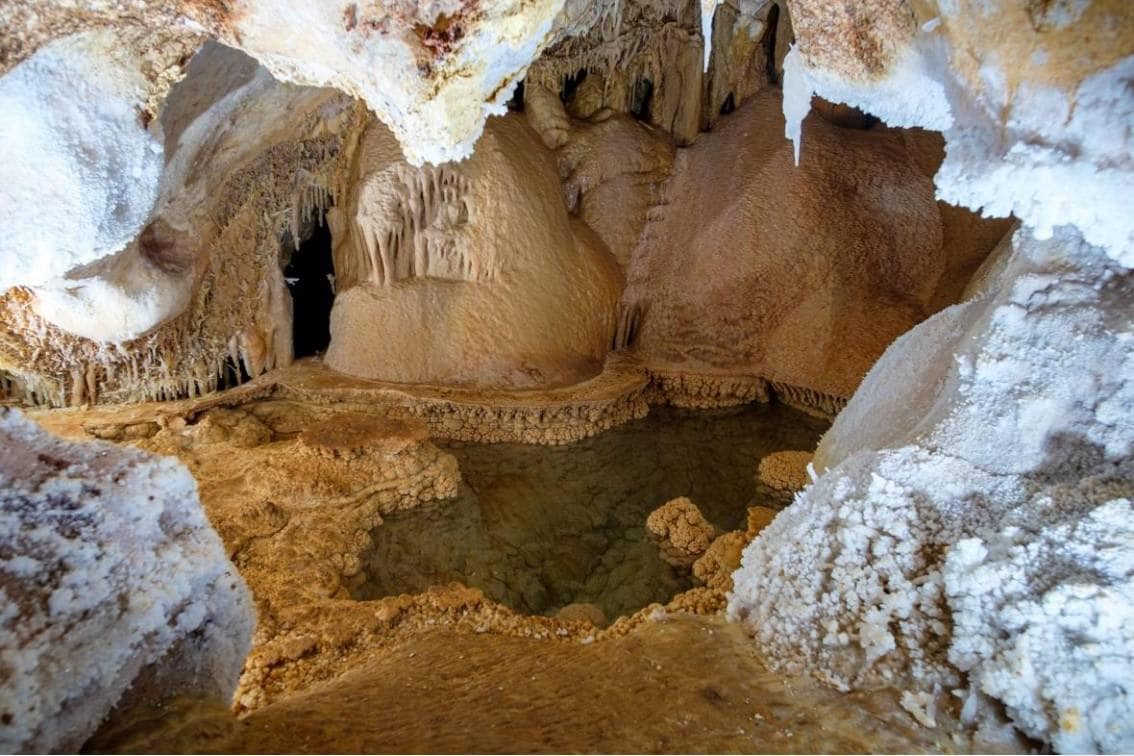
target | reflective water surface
[{"x": 538, "y": 528}]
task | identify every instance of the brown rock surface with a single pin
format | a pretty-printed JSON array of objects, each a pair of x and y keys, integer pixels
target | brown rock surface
[
  {"x": 355, "y": 436},
  {"x": 513, "y": 292},
  {"x": 583, "y": 613},
  {"x": 785, "y": 471},
  {"x": 720, "y": 560},
  {"x": 758, "y": 519},
  {"x": 801, "y": 276},
  {"x": 295, "y": 513},
  {"x": 682, "y": 532},
  {"x": 612, "y": 171},
  {"x": 698, "y": 687}
]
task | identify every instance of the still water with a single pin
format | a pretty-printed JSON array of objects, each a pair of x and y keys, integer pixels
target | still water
[{"x": 541, "y": 527}]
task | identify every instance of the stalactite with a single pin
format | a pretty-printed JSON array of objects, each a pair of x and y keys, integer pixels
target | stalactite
[{"x": 406, "y": 231}]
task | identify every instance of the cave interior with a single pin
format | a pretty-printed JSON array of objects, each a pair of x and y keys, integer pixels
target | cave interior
[{"x": 611, "y": 376}]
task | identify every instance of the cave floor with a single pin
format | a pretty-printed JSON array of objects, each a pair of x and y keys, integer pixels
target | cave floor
[
  {"x": 446, "y": 670},
  {"x": 309, "y": 381},
  {"x": 675, "y": 684}
]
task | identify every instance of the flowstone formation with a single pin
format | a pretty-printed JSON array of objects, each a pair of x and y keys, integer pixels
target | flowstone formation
[
  {"x": 115, "y": 589},
  {"x": 712, "y": 304},
  {"x": 298, "y": 515},
  {"x": 681, "y": 531},
  {"x": 711, "y": 267},
  {"x": 515, "y": 293}
]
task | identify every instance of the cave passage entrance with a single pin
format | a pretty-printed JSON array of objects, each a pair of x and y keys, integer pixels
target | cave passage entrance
[{"x": 310, "y": 276}]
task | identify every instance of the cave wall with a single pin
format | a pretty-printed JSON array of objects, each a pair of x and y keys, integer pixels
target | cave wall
[
  {"x": 468, "y": 273},
  {"x": 964, "y": 537},
  {"x": 200, "y": 291},
  {"x": 923, "y": 559},
  {"x": 641, "y": 58},
  {"x": 802, "y": 276},
  {"x": 167, "y": 301},
  {"x": 714, "y": 254}
]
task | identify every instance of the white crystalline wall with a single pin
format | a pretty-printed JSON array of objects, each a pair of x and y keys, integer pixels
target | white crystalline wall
[
  {"x": 970, "y": 530},
  {"x": 974, "y": 513},
  {"x": 78, "y": 171},
  {"x": 107, "y": 566},
  {"x": 435, "y": 97}
]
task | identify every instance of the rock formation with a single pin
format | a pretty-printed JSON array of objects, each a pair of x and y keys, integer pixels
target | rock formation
[
  {"x": 200, "y": 292},
  {"x": 115, "y": 588},
  {"x": 785, "y": 471},
  {"x": 467, "y": 274},
  {"x": 1035, "y": 130},
  {"x": 710, "y": 269},
  {"x": 714, "y": 568},
  {"x": 433, "y": 72},
  {"x": 919, "y": 555},
  {"x": 646, "y": 58},
  {"x": 163, "y": 301},
  {"x": 978, "y": 455},
  {"x": 681, "y": 531}
]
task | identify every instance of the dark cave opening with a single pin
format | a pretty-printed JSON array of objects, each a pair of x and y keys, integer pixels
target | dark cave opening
[
  {"x": 516, "y": 102},
  {"x": 769, "y": 44},
  {"x": 729, "y": 105},
  {"x": 310, "y": 279},
  {"x": 643, "y": 96},
  {"x": 570, "y": 84}
]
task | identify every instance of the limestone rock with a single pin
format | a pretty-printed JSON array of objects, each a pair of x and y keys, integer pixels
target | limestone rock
[
  {"x": 114, "y": 586},
  {"x": 591, "y": 613},
  {"x": 235, "y": 426},
  {"x": 432, "y": 71},
  {"x": 715, "y": 567},
  {"x": 613, "y": 171},
  {"x": 927, "y": 64},
  {"x": 648, "y": 57},
  {"x": 545, "y": 113},
  {"x": 749, "y": 41},
  {"x": 588, "y": 98},
  {"x": 966, "y": 462},
  {"x": 355, "y": 436},
  {"x": 712, "y": 277},
  {"x": 211, "y": 254},
  {"x": 517, "y": 294},
  {"x": 785, "y": 471},
  {"x": 758, "y": 518},
  {"x": 681, "y": 531},
  {"x": 76, "y": 158}
]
